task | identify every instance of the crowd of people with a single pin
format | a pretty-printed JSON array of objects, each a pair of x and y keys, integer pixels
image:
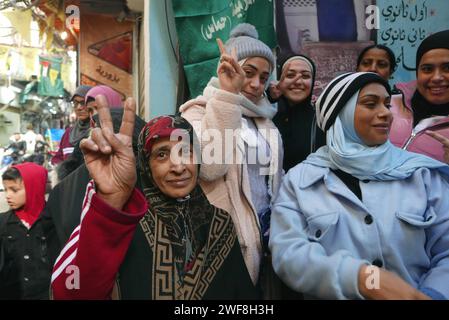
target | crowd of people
[{"x": 252, "y": 191}]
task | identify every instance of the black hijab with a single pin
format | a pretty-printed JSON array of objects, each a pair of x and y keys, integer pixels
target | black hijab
[
  {"x": 297, "y": 123},
  {"x": 422, "y": 108},
  {"x": 439, "y": 40}
]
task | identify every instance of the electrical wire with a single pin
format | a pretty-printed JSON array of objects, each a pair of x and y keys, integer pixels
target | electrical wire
[{"x": 169, "y": 34}]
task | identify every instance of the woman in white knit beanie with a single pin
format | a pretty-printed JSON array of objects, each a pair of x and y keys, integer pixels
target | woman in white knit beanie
[{"x": 245, "y": 173}]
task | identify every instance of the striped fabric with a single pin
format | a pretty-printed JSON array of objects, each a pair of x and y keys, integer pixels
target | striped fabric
[
  {"x": 338, "y": 92},
  {"x": 67, "y": 151},
  {"x": 69, "y": 251}
]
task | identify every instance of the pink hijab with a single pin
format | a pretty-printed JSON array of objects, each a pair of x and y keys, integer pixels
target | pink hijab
[{"x": 113, "y": 97}]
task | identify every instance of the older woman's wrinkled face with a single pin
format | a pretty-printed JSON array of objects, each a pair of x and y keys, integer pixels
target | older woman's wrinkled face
[
  {"x": 296, "y": 81},
  {"x": 433, "y": 76},
  {"x": 257, "y": 72},
  {"x": 173, "y": 167},
  {"x": 372, "y": 117}
]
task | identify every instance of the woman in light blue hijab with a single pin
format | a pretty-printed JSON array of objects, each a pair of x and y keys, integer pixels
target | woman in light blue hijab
[
  {"x": 360, "y": 218},
  {"x": 346, "y": 151}
]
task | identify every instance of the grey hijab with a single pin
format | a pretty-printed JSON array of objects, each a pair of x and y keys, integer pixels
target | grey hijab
[{"x": 79, "y": 131}]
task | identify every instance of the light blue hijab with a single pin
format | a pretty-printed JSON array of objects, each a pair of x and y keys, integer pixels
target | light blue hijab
[{"x": 347, "y": 152}]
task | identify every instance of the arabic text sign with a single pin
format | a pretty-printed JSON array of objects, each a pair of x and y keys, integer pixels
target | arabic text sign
[{"x": 404, "y": 24}]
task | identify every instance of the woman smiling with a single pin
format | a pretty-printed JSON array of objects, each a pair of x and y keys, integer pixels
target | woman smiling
[{"x": 361, "y": 209}]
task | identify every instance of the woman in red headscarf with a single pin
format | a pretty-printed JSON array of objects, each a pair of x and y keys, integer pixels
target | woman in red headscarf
[{"x": 168, "y": 241}]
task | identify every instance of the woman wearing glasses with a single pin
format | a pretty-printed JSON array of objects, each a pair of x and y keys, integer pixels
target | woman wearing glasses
[{"x": 78, "y": 131}]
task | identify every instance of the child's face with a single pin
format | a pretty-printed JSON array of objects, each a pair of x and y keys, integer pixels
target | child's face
[{"x": 15, "y": 193}]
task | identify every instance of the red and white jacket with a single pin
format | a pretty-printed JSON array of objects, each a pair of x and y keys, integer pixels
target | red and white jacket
[
  {"x": 88, "y": 264},
  {"x": 65, "y": 148}
]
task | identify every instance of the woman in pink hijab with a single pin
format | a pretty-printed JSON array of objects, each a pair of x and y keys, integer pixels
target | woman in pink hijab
[{"x": 113, "y": 97}]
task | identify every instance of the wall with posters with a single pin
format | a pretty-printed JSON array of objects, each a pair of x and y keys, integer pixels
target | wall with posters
[
  {"x": 333, "y": 32},
  {"x": 403, "y": 26},
  {"x": 106, "y": 53}
]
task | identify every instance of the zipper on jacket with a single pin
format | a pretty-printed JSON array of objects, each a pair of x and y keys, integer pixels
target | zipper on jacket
[
  {"x": 409, "y": 140},
  {"x": 416, "y": 133},
  {"x": 250, "y": 203}
]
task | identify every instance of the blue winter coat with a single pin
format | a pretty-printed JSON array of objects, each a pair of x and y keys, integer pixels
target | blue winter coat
[{"x": 321, "y": 233}]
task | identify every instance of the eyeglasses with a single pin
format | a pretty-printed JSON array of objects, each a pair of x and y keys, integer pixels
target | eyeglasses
[{"x": 77, "y": 104}]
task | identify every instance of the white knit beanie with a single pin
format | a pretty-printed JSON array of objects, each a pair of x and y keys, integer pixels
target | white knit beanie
[{"x": 245, "y": 39}]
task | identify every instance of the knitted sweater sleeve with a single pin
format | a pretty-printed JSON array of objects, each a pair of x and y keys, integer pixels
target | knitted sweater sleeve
[{"x": 88, "y": 264}]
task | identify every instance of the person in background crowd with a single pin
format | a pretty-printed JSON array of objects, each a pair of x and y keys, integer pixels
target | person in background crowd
[
  {"x": 233, "y": 102},
  {"x": 76, "y": 158},
  {"x": 421, "y": 111},
  {"x": 188, "y": 249},
  {"x": 28, "y": 241},
  {"x": 30, "y": 138},
  {"x": 73, "y": 135},
  {"x": 17, "y": 147},
  {"x": 295, "y": 118},
  {"x": 361, "y": 218},
  {"x": 379, "y": 59},
  {"x": 113, "y": 97}
]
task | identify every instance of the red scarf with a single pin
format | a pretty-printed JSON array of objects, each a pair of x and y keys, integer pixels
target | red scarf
[{"x": 34, "y": 178}]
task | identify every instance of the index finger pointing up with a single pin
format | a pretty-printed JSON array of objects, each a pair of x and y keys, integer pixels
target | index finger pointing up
[
  {"x": 234, "y": 54},
  {"x": 440, "y": 138},
  {"x": 221, "y": 46},
  {"x": 129, "y": 117},
  {"x": 103, "y": 112}
]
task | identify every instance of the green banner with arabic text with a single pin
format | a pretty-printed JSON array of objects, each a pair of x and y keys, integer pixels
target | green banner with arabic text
[{"x": 199, "y": 23}]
